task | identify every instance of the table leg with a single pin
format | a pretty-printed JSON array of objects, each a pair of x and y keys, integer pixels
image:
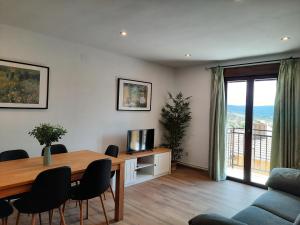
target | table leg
[{"x": 119, "y": 202}]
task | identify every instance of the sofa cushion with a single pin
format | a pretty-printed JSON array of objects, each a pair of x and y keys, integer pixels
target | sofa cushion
[
  {"x": 280, "y": 203},
  {"x": 285, "y": 179},
  {"x": 257, "y": 216},
  {"x": 213, "y": 219}
]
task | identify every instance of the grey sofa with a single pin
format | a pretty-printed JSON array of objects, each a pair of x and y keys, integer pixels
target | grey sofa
[{"x": 280, "y": 205}]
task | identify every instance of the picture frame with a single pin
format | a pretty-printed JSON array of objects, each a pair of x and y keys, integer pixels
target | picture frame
[
  {"x": 23, "y": 85},
  {"x": 134, "y": 95}
]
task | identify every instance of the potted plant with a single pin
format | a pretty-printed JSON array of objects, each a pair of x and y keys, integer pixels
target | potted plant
[
  {"x": 46, "y": 134},
  {"x": 175, "y": 118}
]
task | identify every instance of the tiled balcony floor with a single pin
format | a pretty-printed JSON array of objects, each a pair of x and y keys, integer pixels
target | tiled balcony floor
[{"x": 256, "y": 177}]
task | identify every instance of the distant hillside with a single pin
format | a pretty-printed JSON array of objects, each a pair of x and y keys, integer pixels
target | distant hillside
[{"x": 259, "y": 112}]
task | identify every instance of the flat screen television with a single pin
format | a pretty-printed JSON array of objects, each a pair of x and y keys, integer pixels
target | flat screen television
[{"x": 140, "y": 140}]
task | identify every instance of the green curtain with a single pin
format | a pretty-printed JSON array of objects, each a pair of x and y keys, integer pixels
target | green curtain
[
  {"x": 286, "y": 124},
  {"x": 217, "y": 126}
]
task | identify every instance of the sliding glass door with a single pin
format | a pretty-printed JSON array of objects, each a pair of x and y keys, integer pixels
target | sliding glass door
[
  {"x": 250, "y": 107},
  {"x": 236, "y": 117},
  {"x": 262, "y": 124}
]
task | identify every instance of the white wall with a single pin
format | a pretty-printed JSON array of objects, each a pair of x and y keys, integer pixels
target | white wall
[
  {"x": 195, "y": 82},
  {"x": 82, "y": 93}
]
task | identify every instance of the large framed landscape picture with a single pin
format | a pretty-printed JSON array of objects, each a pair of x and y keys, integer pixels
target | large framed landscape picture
[
  {"x": 23, "y": 85},
  {"x": 134, "y": 95}
]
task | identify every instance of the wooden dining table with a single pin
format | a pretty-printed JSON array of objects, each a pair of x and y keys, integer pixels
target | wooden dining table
[{"x": 17, "y": 176}]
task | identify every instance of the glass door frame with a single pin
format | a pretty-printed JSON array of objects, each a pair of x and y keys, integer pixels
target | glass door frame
[{"x": 248, "y": 123}]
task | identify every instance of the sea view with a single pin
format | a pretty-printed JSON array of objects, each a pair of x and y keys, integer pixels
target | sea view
[{"x": 236, "y": 114}]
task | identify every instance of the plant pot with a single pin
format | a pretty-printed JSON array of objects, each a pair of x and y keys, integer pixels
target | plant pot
[
  {"x": 47, "y": 156},
  {"x": 173, "y": 165}
]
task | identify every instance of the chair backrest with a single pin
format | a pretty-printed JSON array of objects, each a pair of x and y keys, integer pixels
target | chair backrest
[
  {"x": 56, "y": 149},
  {"x": 112, "y": 150},
  {"x": 13, "y": 155},
  {"x": 50, "y": 189},
  {"x": 96, "y": 179}
]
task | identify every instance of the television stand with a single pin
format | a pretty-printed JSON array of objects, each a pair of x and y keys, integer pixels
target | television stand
[
  {"x": 146, "y": 165},
  {"x": 135, "y": 152}
]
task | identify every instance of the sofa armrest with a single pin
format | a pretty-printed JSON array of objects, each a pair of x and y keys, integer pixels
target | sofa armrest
[
  {"x": 213, "y": 219},
  {"x": 285, "y": 179},
  {"x": 297, "y": 221}
]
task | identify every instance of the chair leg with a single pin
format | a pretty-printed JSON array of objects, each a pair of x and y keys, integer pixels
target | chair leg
[
  {"x": 50, "y": 216},
  {"x": 33, "y": 219},
  {"x": 111, "y": 190},
  {"x": 62, "y": 216},
  {"x": 40, "y": 218},
  {"x": 87, "y": 210},
  {"x": 64, "y": 207},
  {"x": 81, "y": 213},
  {"x": 104, "y": 210},
  {"x": 104, "y": 196},
  {"x": 4, "y": 221},
  {"x": 18, "y": 218}
]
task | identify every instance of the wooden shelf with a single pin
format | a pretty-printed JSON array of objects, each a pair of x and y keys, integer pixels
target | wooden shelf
[
  {"x": 126, "y": 156},
  {"x": 143, "y": 165},
  {"x": 141, "y": 177}
]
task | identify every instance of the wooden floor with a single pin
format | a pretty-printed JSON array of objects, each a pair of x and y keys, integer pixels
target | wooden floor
[{"x": 169, "y": 200}]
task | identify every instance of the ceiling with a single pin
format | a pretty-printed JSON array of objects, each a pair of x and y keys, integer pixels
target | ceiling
[{"x": 164, "y": 31}]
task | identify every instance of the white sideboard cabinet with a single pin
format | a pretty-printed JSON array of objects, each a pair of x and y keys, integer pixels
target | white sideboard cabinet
[{"x": 143, "y": 166}]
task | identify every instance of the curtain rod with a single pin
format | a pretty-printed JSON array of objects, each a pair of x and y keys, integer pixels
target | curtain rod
[{"x": 251, "y": 63}]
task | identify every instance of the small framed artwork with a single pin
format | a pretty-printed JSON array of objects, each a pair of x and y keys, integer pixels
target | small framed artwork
[
  {"x": 23, "y": 85},
  {"x": 134, "y": 95}
]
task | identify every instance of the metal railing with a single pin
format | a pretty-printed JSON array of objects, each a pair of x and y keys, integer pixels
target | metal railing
[{"x": 261, "y": 149}]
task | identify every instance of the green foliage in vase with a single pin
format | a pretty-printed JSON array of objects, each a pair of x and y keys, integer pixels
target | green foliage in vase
[
  {"x": 175, "y": 118},
  {"x": 46, "y": 133}
]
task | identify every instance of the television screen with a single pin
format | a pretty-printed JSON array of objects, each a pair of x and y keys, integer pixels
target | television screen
[{"x": 140, "y": 140}]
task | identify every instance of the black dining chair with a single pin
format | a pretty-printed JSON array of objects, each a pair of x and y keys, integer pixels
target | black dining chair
[
  {"x": 94, "y": 182},
  {"x": 13, "y": 155},
  {"x": 56, "y": 149},
  {"x": 5, "y": 211},
  {"x": 49, "y": 191},
  {"x": 112, "y": 150}
]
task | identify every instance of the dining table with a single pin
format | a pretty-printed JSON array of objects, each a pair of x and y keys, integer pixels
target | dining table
[{"x": 17, "y": 176}]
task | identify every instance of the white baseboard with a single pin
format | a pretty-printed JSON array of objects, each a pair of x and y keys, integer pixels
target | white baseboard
[{"x": 193, "y": 166}]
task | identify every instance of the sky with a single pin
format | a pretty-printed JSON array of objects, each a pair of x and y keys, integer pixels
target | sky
[{"x": 264, "y": 93}]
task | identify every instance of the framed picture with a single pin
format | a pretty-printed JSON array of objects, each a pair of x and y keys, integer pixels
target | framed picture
[
  {"x": 23, "y": 85},
  {"x": 134, "y": 95}
]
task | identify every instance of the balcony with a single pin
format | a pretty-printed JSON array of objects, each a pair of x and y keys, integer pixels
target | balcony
[{"x": 261, "y": 154}]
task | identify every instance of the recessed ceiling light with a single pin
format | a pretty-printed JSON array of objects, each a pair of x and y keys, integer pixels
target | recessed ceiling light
[
  {"x": 123, "y": 33},
  {"x": 285, "y": 38},
  {"x": 187, "y": 55}
]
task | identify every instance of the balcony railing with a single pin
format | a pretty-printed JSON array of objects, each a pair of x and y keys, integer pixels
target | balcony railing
[{"x": 261, "y": 149}]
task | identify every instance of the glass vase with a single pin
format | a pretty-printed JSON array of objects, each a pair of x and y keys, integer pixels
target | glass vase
[{"x": 47, "y": 156}]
